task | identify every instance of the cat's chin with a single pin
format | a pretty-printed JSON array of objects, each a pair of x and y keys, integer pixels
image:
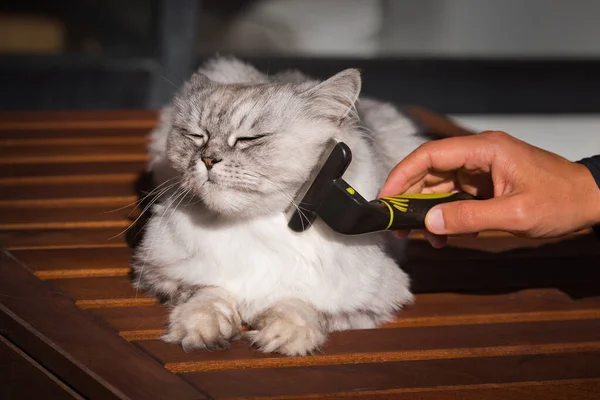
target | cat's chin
[{"x": 231, "y": 203}]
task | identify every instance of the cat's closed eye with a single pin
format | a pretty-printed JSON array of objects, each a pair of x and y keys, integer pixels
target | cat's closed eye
[
  {"x": 192, "y": 135},
  {"x": 249, "y": 139}
]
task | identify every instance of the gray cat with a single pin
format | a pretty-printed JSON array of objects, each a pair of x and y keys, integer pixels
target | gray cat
[{"x": 229, "y": 154}]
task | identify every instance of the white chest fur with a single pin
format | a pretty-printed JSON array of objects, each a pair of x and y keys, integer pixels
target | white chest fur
[{"x": 263, "y": 260}]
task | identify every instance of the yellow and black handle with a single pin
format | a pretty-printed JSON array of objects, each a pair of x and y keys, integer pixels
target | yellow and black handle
[
  {"x": 347, "y": 212},
  {"x": 408, "y": 211}
]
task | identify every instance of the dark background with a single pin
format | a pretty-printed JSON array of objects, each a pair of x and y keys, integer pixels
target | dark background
[{"x": 134, "y": 53}]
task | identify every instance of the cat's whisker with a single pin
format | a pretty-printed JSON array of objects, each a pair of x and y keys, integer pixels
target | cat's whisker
[
  {"x": 281, "y": 191},
  {"x": 185, "y": 193},
  {"x": 141, "y": 199},
  {"x": 171, "y": 200},
  {"x": 174, "y": 85},
  {"x": 159, "y": 186},
  {"x": 152, "y": 201}
]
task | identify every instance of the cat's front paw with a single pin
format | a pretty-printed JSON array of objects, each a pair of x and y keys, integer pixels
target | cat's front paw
[
  {"x": 205, "y": 321},
  {"x": 292, "y": 328}
]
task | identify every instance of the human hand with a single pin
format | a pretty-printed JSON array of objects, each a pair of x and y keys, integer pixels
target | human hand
[{"x": 526, "y": 191}]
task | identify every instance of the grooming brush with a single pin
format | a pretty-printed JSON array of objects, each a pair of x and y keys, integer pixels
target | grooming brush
[{"x": 327, "y": 196}]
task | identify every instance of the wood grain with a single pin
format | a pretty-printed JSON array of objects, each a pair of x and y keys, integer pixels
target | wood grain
[
  {"x": 96, "y": 363},
  {"x": 67, "y": 190},
  {"x": 64, "y": 167},
  {"x": 575, "y": 389},
  {"x": 102, "y": 291},
  {"x": 73, "y": 159},
  {"x": 67, "y": 210},
  {"x": 21, "y": 377},
  {"x": 82, "y": 133},
  {"x": 76, "y": 263},
  {"x": 28, "y": 151},
  {"x": 61, "y": 142},
  {"x": 135, "y": 323},
  {"x": 61, "y": 238},
  {"x": 76, "y": 116},
  {"x": 415, "y": 343},
  {"x": 403, "y": 376}
]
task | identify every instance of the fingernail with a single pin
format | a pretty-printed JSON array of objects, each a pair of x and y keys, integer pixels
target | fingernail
[{"x": 435, "y": 220}]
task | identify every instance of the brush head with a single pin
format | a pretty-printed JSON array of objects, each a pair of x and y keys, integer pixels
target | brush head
[{"x": 334, "y": 161}]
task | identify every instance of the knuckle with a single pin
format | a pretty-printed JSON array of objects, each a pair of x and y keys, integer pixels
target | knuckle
[
  {"x": 495, "y": 136},
  {"x": 498, "y": 141},
  {"x": 522, "y": 216},
  {"x": 426, "y": 148}
]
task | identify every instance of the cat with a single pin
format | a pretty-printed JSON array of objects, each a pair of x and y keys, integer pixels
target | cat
[{"x": 228, "y": 155}]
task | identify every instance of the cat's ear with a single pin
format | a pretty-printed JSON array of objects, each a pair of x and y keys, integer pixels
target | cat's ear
[
  {"x": 336, "y": 96},
  {"x": 199, "y": 81}
]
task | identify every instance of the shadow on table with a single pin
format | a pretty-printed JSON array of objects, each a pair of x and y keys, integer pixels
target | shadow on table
[{"x": 571, "y": 265}]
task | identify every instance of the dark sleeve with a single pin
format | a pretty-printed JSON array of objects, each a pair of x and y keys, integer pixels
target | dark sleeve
[{"x": 593, "y": 164}]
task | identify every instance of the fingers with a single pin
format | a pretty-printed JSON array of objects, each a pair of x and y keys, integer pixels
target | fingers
[
  {"x": 470, "y": 216},
  {"x": 474, "y": 153}
]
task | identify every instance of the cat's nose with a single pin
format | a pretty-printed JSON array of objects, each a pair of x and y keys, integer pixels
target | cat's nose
[{"x": 210, "y": 161}]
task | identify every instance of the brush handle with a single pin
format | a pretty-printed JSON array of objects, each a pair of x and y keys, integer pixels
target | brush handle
[{"x": 407, "y": 211}]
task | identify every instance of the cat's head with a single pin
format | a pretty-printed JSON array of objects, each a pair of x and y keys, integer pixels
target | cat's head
[{"x": 246, "y": 149}]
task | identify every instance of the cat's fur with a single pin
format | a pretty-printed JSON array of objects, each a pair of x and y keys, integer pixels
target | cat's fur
[{"x": 217, "y": 248}]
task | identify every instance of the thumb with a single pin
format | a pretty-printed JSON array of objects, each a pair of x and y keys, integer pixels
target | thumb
[{"x": 468, "y": 216}]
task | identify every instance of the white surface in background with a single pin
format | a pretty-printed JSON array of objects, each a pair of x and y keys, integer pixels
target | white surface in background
[
  {"x": 572, "y": 136},
  {"x": 492, "y": 28},
  {"x": 318, "y": 27}
]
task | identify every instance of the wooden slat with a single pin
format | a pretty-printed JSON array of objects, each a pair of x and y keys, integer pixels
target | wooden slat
[
  {"x": 50, "y": 181},
  {"x": 395, "y": 376},
  {"x": 102, "y": 292},
  {"x": 76, "y": 116},
  {"x": 80, "y": 133},
  {"x": 21, "y": 142},
  {"x": 21, "y": 377},
  {"x": 116, "y": 188},
  {"x": 62, "y": 238},
  {"x": 67, "y": 120},
  {"x": 572, "y": 389},
  {"x": 529, "y": 300},
  {"x": 86, "y": 167},
  {"x": 96, "y": 363},
  {"x": 135, "y": 323},
  {"x": 73, "y": 159},
  {"x": 108, "y": 150},
  {"x": 36, "y": 212},
  {"x": 386, "y": 345},
  {"x": 58, "y": 203},
  {"x": 75, "y": 125},
  {"x": 76, "y": 263}
]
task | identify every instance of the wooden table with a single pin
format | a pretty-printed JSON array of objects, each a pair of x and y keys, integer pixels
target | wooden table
[{"x": 495, "y": 318}]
